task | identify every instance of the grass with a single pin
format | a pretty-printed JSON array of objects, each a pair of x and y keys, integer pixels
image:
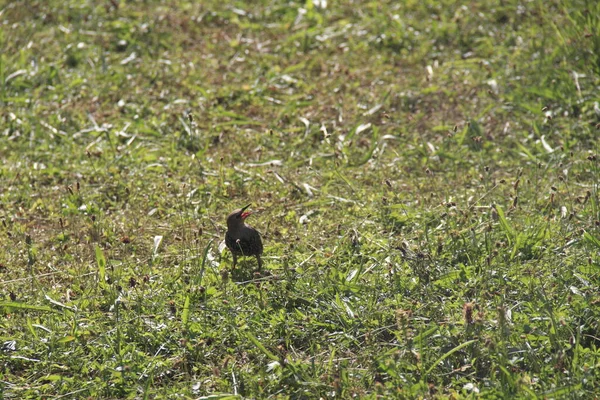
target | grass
[{"x": 425, "y": 176}]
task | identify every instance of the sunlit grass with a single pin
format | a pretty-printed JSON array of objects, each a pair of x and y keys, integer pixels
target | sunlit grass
[{"x": 424, "y": 175}]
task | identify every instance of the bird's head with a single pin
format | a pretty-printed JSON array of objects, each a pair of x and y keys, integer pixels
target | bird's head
[{"x": 237, "y": 217}]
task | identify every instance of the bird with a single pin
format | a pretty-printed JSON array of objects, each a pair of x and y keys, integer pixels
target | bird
[{"x": 242, "y": 239}]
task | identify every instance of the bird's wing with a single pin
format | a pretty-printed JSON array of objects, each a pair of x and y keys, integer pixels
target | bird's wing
[
  {"x": 230, "y": 241},
  {"x": 254, "y": 241},
  {"x": 258, "y": 243}
]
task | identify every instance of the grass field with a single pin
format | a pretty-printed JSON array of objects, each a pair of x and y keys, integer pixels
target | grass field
[{"x": 425, "y": 175}]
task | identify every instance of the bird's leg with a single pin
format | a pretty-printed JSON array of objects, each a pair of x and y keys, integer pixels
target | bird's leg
[
  {"x": 259, "y": 262},
  {"x": 234, "y": 260}
]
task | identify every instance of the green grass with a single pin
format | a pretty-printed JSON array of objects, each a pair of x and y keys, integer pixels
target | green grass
[{"x": 424, "y": 173}]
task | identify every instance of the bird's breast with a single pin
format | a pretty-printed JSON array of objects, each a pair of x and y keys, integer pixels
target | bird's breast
[{"x": 245, "y": 241}]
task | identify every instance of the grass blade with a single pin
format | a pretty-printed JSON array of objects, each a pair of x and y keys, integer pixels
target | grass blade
[
  {"x": 448, "y": 354},
  {"x": 101, "y": 261},
  {"x": 23, "y": 306},
  {"x": 186, "y": 310},
  {"x": 262, "y": 348}
]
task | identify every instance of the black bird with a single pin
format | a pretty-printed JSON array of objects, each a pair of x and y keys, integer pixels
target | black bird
[{"x": 241, "y": 239}]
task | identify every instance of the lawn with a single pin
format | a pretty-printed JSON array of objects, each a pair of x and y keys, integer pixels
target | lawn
[{"x": 425, "y": 176}]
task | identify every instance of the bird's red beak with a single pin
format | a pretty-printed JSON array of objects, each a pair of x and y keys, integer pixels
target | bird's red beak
[{"x": 246, "y": 214}]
